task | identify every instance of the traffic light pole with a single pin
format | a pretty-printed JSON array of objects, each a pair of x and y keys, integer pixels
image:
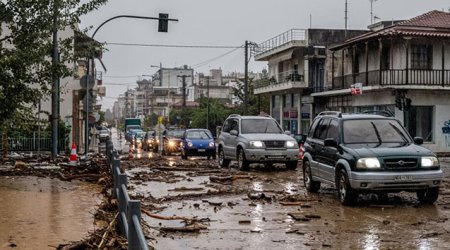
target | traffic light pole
[{"x": 162, "y": 27}]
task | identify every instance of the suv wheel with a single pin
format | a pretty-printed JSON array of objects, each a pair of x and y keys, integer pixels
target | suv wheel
[
  {"x": 242, "y": 162},
  {"x": 222, "y": 161},
  {"x": 292, "y": 165},
  {"x": 347, "y": 196},
  {"x": 311, "y": 186},
  {"x": 428, "y": 196}
]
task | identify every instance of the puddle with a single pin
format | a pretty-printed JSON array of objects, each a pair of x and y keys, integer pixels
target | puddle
[{"x": 41, "y": 213}]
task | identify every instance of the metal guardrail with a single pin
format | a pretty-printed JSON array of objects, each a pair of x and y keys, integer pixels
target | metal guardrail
[{"x": 129, "y": 210}]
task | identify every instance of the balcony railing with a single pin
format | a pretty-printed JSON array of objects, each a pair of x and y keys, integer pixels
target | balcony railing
[
  {"x": 280, "y": 78},
  {"x": 395, "y": 77},
  {"x": 288, "y": 36}
]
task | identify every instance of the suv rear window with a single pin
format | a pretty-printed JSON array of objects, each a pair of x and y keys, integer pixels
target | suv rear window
[
  {"x": 374, "y": 132},
  {"x": 258, "y": 126}
]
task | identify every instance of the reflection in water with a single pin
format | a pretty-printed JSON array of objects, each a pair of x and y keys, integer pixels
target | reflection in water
[
  {"x": 289, "y": 187},
  {"x": 257, "y": 186},
  {"x": 424, "y": 244},
  {"x": 37, "y": 213},
  {"x": 371, "y": 241}
]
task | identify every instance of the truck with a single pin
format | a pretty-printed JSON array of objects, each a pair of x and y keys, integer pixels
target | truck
[{"x": 131, "y": 124}]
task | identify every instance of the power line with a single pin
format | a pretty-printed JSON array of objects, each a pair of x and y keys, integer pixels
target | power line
[
  {"x": 134, "y": 76},
  {"x": 175, "y": 46},
  {"x": 214, "y": 58}
]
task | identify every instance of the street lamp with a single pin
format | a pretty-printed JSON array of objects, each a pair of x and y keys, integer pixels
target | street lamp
[{"x": 163, "y": 22}]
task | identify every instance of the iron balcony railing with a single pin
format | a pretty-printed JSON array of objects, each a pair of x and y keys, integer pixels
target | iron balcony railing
[
  {"x": 283, "y": 38},
  {"x": 283, "y": 77},
  {"x": 394, "y": 77},
  {"x": 22, "y": 144}
]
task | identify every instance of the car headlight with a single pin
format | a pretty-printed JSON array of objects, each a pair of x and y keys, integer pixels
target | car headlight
[
  {"x": 171, "y": 143},
  {"x": 149, "y": 141},
  {"x": 190, "y": 144},
  {"x": 368, "y": 163},
  {"x": 429, "y": 161},
  {"x": 211, "y": 144},
  {"x": 290, "y": 144},
  {"x": 256, "y": 144}
]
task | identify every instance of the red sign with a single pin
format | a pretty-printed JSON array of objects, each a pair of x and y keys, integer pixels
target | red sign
[
  {"x": 356, "y": 89},
  {"x": 293, "y": 114}
]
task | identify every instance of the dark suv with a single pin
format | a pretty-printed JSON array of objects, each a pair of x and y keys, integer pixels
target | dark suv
[{"x": 360, "y": 153}]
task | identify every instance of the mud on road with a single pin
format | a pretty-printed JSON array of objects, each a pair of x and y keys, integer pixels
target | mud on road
[{"x": 193, "y": 204}]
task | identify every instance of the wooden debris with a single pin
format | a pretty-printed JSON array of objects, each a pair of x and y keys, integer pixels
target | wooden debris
[
  {"x": 291, "y": 203},
  {"x": 185, "y": 189},
  {"x": 245, "y": 222},
  {"x": 196, "y": 227},
  {"x": 161, "y": 217},
  {"x": 110, "y": 227}
]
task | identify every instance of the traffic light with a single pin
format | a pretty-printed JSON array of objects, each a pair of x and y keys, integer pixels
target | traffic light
[
  {"x": 407, "y": 104},
  {"x": 398, "y": 102},
  {"x": 163, "y": 22}
]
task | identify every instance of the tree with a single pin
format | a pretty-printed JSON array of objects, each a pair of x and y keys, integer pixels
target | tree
[
  {"x": 257, "y": 103},
  {"x": 217, "y": 114},
  {"x": 26, "y": 68}
]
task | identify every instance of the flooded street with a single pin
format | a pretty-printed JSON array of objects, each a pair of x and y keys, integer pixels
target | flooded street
[
  {"x": 41, "y": 213},
  {"x": 270, "y": 209}
]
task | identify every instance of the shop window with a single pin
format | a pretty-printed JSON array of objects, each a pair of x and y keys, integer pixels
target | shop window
[{"x": 419, "y": 122}]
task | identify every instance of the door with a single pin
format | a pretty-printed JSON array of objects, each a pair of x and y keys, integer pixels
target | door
[{"x": 330, "y": 154}]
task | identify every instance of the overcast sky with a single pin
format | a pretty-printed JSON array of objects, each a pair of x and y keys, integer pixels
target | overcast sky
[{"x": 219, "y": 23}]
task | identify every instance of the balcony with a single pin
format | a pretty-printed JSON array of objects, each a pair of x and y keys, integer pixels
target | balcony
[
  {"x": 288, "y": 80},
  {"x": 287, "y": 40},
  {"x": 395, "y": 78}
]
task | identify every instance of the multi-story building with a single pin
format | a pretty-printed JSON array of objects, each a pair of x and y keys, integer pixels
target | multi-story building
[
  {"x": 403, "y": 68},
  {"x": 296, "y": 68}
]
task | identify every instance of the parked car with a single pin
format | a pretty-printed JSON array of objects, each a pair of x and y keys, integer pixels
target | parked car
[
  {"x": 198, "y": 142},
  {"x": 138, "y": 139},
  {"x": 103, "y": 135},
  {"x": 255, "y": 139},
  {"x": 150, "y": 141},
  {"x": 171, "y": 141},
  {"x": 360, "y": 153}
]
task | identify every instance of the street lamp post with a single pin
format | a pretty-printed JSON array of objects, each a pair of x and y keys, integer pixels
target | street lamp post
[{"x": 162, "y": 27}]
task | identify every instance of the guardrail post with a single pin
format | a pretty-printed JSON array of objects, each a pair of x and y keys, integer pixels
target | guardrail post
[
  {"x": 122, "y": 180},
  {"x": 134, "y": 208},
  {"x": 115, "y": 166}
]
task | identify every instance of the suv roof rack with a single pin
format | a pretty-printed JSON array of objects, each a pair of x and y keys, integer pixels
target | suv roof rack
[
  {"x": 336, "y": 113},
  {"x": 385, "y": 113},
  {"x": 234, "y": 115}
]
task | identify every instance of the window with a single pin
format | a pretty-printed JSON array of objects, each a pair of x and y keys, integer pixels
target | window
[
  {"x": 386, "y": 58},
  {"x": 250, "y": 126},
  {"x": 421, "y": 56},
  {"x": 419, "y": 122},
  {"x": 333, "y": 130},
  {"x": 313, "y": 127},
  {"x": 321, "y": 130},
  {"x": 226, "y": 126}
]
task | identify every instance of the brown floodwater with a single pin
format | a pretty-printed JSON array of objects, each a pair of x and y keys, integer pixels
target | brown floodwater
[{"x": 41, "y": 213}]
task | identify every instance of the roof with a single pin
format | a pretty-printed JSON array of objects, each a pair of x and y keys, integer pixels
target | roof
[{"x": 431, "y": 24}]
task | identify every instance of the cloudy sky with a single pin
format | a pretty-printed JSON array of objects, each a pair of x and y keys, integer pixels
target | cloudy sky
[{"x": 217, "y": 23}]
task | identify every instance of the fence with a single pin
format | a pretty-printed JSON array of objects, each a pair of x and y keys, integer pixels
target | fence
[
  {"x": 33, "y": 144},
  {"x": 129, "y": 210}
]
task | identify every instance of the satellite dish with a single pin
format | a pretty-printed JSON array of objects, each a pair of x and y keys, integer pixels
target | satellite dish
[{"x": 84, "y": 81}]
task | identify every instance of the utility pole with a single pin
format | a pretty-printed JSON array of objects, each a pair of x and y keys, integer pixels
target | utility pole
[
  {"x": 207, "y": 103},
  {"x": 55, "y": 85},
  {"x": 346, "y": 18},
  {"x": 184, "y": 95},
  {"x": 246, "y": 79},
  {"x": 247, "y": 59}
]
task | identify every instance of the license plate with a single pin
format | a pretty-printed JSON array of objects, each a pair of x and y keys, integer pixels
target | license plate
[
  {"x": 201, "y": 150},
  {"x": 403, "y": 178}
]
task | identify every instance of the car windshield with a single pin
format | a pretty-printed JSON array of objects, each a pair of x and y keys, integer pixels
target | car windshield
[
  {"x": 260, "y": 126},
  {"x": 374, "y": 132},
  {"x": 103, "y": 132},
  {"x": 140, "y": 134},
  {"x": 151, "y": 133},
  {"x": 175, "y": 133},
  {"x": 198, "y": 135}
]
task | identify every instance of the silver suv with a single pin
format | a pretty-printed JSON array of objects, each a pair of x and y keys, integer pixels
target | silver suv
[{"x": 255, "y": 139}]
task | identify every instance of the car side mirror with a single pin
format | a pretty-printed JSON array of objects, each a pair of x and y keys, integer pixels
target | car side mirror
[
  {"x": 330, "y": 142},
  {"x": 234, "y": 132},
  {"x": 418, "y": 140}
]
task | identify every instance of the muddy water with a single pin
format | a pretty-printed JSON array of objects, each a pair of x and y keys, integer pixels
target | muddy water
[
  {"x": 41, "y": 213},
  {"x": 395, "y": 222}
]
